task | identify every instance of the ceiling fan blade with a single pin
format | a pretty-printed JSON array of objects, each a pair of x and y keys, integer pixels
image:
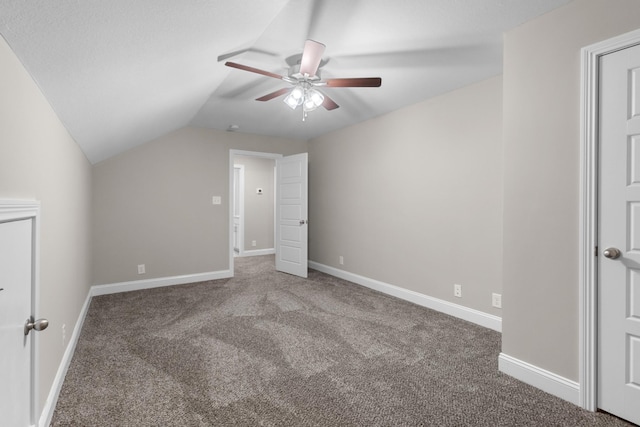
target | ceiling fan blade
[
  {"x": 329, "y": 103},
  {"x": 355, "y": 82},
  {"x": 275, "y": 94},
  {"x": 253, "y": 70},
  {"x": 311, "y": 57}
]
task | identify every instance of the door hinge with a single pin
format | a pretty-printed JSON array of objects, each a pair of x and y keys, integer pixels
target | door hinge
[{"x": 596, "y": 251}]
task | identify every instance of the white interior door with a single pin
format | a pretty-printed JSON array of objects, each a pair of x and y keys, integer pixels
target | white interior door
[
  {"x": 291, "y": 214},
  {"x": 619, "y": 235},
  {"x": 15, "y": 308}
]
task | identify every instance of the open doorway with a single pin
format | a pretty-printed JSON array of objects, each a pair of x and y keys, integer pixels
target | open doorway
[
  {"x": 288, "y": 217},
  {"x": 254, "y": 205},
  {"x": 252, "y": 209}
]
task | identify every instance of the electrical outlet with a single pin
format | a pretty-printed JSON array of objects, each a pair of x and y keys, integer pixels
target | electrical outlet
[
  {"x": 216, "y": 200},
  {"x": 496, "y": 300},
  {"x": 253, "y": 243},
  {"x": 141, "y": 269},
  {"x": 341, "y": 260},
  {"x": 457, "y": 291}
]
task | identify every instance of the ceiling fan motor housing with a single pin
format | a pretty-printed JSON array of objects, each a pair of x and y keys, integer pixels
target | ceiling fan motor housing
[{"x": 294, "y": 73}]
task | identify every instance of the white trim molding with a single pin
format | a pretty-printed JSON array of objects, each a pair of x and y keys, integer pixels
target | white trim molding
[
  {"x": 136, "y": 285},
  {"x": 258, "y": 252},
  {"x": 588, "y": 241},
  {"x": 475, "y": 316},
  {"x": 12, "y": 210},
  {"x": 97, "y": 290},
  {"x": 240, "y": 214},
  {"x": 54, "y": 392},
  {"x": 540, "y": 378}
]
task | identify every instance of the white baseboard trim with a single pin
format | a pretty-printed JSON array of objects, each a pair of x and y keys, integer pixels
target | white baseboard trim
[
  {"x": 54, "y": 392},
  {"x": 258, "y": 252},
  {"x": 540, "y": 378},
  {"x": 137, "y": 285},
  {"x": 475, "y": 316},
  {"x": 96, "y": 290}
]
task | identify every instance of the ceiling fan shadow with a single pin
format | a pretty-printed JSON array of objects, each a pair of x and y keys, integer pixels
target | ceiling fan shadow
[
  {"x": 328, "y": 20},
  {"x": 240, "y": 90},
  {"x": 228, "y": 55},
  {"x": 314, "y": 19},
  {"x": 444, "y": 57},
  {"x": 351, "y": 103}
]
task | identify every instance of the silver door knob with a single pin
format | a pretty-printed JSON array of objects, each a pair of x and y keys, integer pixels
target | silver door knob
[
  {"x": 612, "y": 253},
  {"x": 38, "y": 325}
]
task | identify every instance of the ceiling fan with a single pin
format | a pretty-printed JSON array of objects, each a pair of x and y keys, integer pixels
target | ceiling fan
[{"x": 305, "y": 77}]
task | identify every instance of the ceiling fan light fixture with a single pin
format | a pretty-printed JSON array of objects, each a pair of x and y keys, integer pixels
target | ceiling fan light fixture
[
  {"x": 312, "y": 100},
  {"x": 308, "y": 105},
  {"x": 315, "y": 96},
  {"x": 292, "y": 101},
  {"x": 297, "y": 92},
  {"x": 302, "y": 94}
]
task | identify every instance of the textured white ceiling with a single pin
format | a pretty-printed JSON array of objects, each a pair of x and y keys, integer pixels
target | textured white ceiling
[{"x": 122, "y": 72}]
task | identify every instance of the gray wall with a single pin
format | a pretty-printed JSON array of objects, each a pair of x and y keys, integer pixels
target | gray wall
[
  {"x": 152, "y": 205},
  {"x": 39, "y": 160},
  {"x": 413, "y": 198},
  {"x": 541, "y": 178},
  {"x": 258, "y": 208}
]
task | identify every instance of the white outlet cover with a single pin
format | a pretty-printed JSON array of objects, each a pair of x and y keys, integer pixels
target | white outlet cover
[
  {"x": 216, "y": 200},
  {"x": 457, "y": 291},
  {"x": 496, "y": 300}
]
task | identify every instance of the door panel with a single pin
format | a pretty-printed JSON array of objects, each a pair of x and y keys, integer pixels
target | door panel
[
  {"x": 15, "y": 307},
  {"x": 291, "y": 215},
  {"x": 619, "y": 228}
]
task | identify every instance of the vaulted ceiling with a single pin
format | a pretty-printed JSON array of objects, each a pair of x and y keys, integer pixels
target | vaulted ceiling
[{"x": 120, "y": 73}]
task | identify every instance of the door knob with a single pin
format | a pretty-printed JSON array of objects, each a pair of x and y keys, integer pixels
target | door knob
[
  {"x": 612, "y": 253},
  {"x": 38, "y": 325}
]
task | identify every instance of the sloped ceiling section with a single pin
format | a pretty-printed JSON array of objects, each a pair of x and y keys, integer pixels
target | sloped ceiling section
[{"x": 122, "y": 72}]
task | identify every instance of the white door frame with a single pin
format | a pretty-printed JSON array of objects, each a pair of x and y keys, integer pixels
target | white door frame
[
  {"x": 240, "y": 195},
  {"x": 14, "y": 210},
  {"x": 232, "y": 154},
  {"x": 588, "y": 279}
]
